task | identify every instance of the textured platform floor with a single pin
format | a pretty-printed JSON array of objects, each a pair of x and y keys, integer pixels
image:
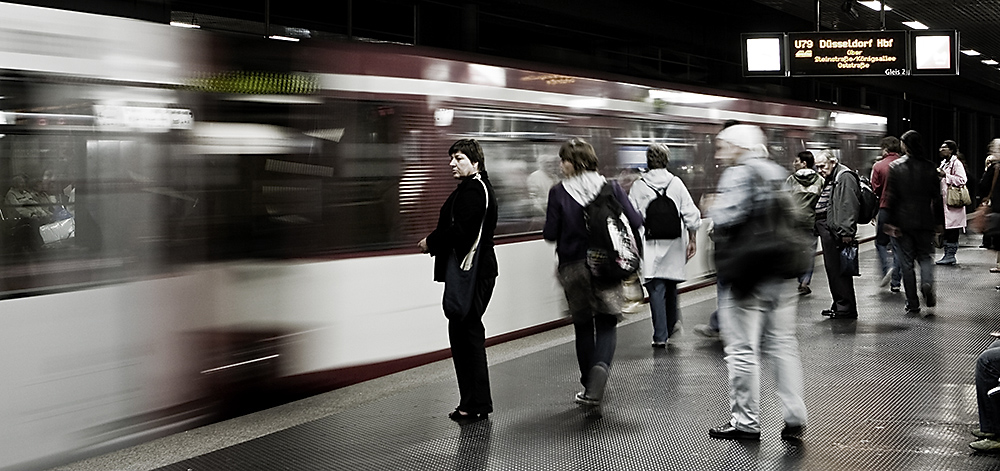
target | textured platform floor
[{"x": 885, "y": 392}]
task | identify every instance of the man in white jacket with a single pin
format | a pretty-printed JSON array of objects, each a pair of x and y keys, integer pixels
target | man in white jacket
[{"x": 664, "y": 258}]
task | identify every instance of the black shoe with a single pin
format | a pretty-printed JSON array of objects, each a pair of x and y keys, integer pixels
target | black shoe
[
  {"x": 728, "y": 432},
  {"x": 844, "y": 315},
  {"x": 913, "y": 310},
  {"x": 468, "y": 417},
  {"x": 894, "y": 289},
  {"x": 828, "y": 312},
  {"x": 928, "y": 291},
  {"x": 793, "y": 432}
]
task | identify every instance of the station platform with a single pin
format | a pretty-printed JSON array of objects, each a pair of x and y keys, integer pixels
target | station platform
[{"x": 888, "y": 391}]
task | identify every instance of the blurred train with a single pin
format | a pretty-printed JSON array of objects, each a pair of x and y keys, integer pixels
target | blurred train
[{"x": 196, "y": 220}]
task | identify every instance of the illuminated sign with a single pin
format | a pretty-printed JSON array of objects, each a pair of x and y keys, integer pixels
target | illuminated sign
[{"x": 848, "y": 53}]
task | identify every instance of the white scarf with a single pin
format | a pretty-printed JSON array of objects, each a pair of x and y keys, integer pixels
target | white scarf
[{"x": 584, "y": 186}]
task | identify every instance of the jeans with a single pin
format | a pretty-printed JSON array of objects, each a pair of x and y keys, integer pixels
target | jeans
[
  {"x": 663, "y": 306},
  {"x": 987, "y": 375},
  {"x": 806, "y": 278},
  {"x": 468, "y": 351},
  {"x": 762, "y": 322},
  {"x": 883, "y": 243},
  {"x": 596, "y": 335},
  {"x": 910, "y": 247}
]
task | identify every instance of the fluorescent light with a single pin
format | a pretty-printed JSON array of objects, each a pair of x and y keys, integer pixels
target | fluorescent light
[
  {"x": 875, "y": 5},
  {"x": 283, "y": 38},
  {"x": 915, "y": 24},
  {"x": 181, "y": 24},
  {"x": 970, "y": 52},
  {"x": 990, "y": 62}
]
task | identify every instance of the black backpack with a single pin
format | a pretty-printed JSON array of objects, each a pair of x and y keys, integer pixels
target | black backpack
[
  {"x": 770, "y": 243},
  {"x": 868, "y": 208},
  {"x": 663, "y": 220},
  {"x": 612, "y": 250}
]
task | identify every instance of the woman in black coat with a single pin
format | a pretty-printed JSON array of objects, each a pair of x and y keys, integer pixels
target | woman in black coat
[{"x": 473, "y": 205}]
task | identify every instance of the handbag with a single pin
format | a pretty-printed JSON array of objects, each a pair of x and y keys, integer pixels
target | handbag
[
  {"x": 958, "y": 196},
  {"x": 460, "y": 275},
  {"x": 849, "y": 264}
]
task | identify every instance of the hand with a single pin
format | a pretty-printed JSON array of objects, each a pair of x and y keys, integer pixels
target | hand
[
  {"x": 846, "y": 240},
  {"x": 692, "y": 248},
  {"x": 893, "y": 231},
  {"x": 423, "y": 245}
]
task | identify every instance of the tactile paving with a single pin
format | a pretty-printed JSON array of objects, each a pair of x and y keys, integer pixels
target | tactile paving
[{"x": 888, "y": 391}]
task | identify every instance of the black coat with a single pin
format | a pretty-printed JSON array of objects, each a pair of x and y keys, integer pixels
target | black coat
[
  {"x": 985, "y": 185},
  {"x": 914, "y": 192},
  {"x": 458, "y": 225}
]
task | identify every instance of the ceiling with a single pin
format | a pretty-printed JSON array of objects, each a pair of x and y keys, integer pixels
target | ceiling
[{"x": 977, "y": 21}]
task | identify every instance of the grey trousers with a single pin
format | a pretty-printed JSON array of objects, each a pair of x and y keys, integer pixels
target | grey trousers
[{"x": 762, "y": 323}]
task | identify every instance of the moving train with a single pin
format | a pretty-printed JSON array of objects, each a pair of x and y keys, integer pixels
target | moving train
[{"x": 199, "y": 223}]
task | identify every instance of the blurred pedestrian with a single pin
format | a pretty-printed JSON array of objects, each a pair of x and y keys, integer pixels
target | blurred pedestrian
[
  {"x": 671, "y": 229},
  {"x": 888, "y": 262},
  {"x": 464, "y": 239},
  {"x": 952, "y": 173},
  {"x": 915, "y": 213},
  {"x": 595, "y": 304},
  {"x": 806, "y": 186},
  {"x": 756, "y": 314},
  {"x": 987, "y": 188},
  {"x": 836, "y": 215}
]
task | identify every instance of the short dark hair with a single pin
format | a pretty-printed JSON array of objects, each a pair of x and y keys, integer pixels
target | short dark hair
[
  {"x": 657, "y": 156},
  {"x": 952, "y": 145},
  {"x": 580, "y": 153},
  {"x": 471, "y": 149},
  {"x": 891, "y": 144},
  {"x": 807, "y": 158}
]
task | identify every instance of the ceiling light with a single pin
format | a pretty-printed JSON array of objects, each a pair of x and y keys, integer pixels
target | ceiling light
[
  {"x": 915, "y": 24},
  {"x": 181, "y": 24},
  {"x": 990, "y": 62},
  {"x": 970, "y": 52},
  {"x": 875, "y": 5},
  {"x": 283, "y": 38}
]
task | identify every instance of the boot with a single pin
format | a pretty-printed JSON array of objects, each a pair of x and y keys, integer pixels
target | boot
[{"x": 950, "y": 249}]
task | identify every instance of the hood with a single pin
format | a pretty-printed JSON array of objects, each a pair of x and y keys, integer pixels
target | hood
[
  {"x": 806, "y": 176},
  {"x": 658, "y": 178},
  {"x": 584, "y": 186}
]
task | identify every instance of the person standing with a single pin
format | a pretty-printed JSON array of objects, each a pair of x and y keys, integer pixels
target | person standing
[
  {"x": 888, "y": 262},
  {"x": 914, "y": 214},
  {"x": 806, "y": 186},
  {"x": 952, "y": 174},
  {"x": 756, "y": 315},
  {"x": 836, "y": 216},
  {"x": 467, "y": 218},
  {"x": 664, "y": 258},
  {"x": 594, "y": 304}
]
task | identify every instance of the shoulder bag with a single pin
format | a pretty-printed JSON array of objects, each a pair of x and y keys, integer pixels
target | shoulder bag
[
  {"x": 460, "y": 274},
  {"x": 984, "y": 220}
]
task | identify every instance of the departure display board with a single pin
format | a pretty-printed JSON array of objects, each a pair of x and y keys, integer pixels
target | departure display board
[{"x": 848, "y": 53}]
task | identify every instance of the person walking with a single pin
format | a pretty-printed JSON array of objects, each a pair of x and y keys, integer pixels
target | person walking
[
  {"x": 595, "y": 304},
  {"x": 836, "y": 215},
  {"x": 670, "y": 233},
  {"x": 915, "y": 213},
  {"x": 888, "y": 262},
  {"x": 756, "y": 308},
  {"x": 986, "y": 188},
  {"x": 806, "y": 186},
  {"x": 952, "y": 174},
  {"x": 466, "y": 225}
]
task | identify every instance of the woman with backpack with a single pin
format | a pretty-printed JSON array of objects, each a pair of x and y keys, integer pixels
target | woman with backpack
[
  {"x": 595, "y": 303},
  {"x": 670, "y": 229}
]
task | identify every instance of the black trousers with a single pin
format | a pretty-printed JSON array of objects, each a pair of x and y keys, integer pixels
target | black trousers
[
  {"x": 841, "y": 285},
  {"x": 468, "y": 351}
]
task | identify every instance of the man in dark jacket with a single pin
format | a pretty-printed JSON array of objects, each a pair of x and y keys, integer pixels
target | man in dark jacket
[
  {"x": 806, "y": 185},
  {"x": 836, "y": 223},
  {"x": 915, "y": 213}
]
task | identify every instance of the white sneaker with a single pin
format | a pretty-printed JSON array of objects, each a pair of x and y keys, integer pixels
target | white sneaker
[{"x": 888, "y": 277}]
